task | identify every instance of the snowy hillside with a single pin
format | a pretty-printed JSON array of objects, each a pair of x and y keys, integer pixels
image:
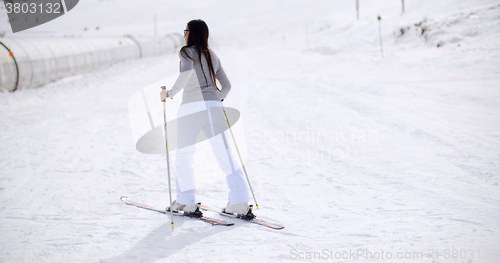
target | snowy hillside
[{"x": 353, "y": 152}]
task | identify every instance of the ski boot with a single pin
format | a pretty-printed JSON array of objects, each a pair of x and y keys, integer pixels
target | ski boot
[
  {"x": 188, "y": 210},
  {"x": 243, "y": 211}
]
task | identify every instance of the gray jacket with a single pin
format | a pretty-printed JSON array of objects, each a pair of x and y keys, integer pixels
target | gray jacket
[{"x": 191, "y": 79}]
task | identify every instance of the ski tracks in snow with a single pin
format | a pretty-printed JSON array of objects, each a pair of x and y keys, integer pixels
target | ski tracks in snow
[
  {"x": 344, "y": 159},
  {"x": 377, "y": 163}
]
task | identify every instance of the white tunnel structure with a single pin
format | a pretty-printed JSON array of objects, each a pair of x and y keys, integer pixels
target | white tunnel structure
[{"x": 30, "y": 62}]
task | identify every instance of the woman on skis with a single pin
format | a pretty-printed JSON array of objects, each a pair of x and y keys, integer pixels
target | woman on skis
[{"x": 201, "y": 110}]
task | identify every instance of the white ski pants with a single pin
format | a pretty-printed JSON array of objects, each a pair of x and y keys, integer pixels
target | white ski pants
[{"x": 206, "y": 116}]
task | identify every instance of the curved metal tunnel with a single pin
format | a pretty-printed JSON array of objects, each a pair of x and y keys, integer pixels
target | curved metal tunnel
[{"x": 29, "y": 62}]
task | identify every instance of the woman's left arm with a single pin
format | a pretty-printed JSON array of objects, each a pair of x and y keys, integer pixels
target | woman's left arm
[{"x": 187, "y": 69}]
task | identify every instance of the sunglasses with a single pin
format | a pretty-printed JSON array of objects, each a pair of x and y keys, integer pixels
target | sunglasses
[{"x": 185, "y": 31}]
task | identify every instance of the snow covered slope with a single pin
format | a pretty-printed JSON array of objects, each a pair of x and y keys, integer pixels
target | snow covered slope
[{"x": 353, "y": 152}]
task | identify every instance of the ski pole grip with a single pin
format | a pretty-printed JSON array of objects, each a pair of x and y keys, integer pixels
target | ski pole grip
[{"x": 164, "y": 88}]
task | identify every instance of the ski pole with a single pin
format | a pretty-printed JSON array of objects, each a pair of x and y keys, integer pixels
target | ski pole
[
  {"x": 168, "y": 161},
  {"x": 241, "y": 160}
]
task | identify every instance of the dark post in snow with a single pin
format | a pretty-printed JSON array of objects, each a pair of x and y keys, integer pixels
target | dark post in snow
[
  {"x": 380, "y": 33},
  {"x": 357, "y": 9},
  {"x": 403, "y": 1}
]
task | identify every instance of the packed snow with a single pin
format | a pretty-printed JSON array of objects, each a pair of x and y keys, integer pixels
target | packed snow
[{"x": 361, "y": 156}]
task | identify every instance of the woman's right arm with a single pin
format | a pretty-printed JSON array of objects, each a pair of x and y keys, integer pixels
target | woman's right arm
[{"x": 224, "y": 81}]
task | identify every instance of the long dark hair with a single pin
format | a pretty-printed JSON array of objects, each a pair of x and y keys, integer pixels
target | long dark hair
[{"x": 198, "y": 37}]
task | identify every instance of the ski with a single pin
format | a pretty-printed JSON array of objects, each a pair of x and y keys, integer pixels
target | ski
[
  {"x": 209, "y": 220},
  {"x": 254, "y": 220}
]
